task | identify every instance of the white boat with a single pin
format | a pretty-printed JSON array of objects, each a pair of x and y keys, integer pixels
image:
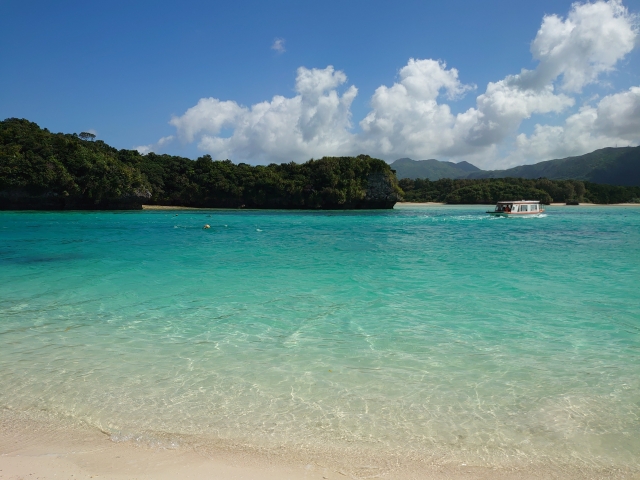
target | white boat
[{"x": 513, "y": 208}]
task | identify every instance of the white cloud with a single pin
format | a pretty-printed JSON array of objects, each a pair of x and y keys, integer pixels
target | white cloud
[
  {"x": 412, "y": 116},
  {"x": 502, "y": 108},
  {"x": 144, "y": 149},
  {"x": 406, "y": 117},
  {"x": 317, "y": 119},
  {"x": 278, "y": 45},
  {"x": 614, "y": 121},
  {"x": 619, "y": 115},
  {"x": 593, "y": 38},
  {"x": 210, "y": 115},
  {"x": 589, "y": 42},
  {"x": 164, "y": 140}
]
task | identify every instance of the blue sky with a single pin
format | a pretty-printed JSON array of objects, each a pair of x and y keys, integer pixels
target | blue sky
[{"x": 126, "y": 69}]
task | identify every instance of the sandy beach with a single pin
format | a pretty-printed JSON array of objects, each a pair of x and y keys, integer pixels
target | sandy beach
[
  {"x": 293, "y": 346},
  {"x": 167, "y": 207},
  {"x": 292, "y": 307},
  {"x": 41, "y": 450},
  {"x": 412, "y": 204},
  {"x": 426, "y": 204},
  {"x": 597, "y": 205}
]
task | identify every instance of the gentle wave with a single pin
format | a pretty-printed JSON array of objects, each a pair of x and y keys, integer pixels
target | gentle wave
[{"x": 436, "y": 331}]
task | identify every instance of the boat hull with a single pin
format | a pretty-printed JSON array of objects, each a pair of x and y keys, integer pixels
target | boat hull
[{"x": 514, "y": 214}]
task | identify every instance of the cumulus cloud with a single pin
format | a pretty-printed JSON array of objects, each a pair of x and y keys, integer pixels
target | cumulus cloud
[
  {"x": 317, "y": 119},
  {"x": 614, "y": 121},
  {"x": 407, "y": 117},
  {"x": 572, "y": 52},
  {"x": 619, "y": 115},
  {"x": 144, "y": 149},
  {"x": 589, "y": 42},
  {"x": 502, "y": 108},
  {"x": 278, "y": 45},
  {"x": 413, "y": 116}
]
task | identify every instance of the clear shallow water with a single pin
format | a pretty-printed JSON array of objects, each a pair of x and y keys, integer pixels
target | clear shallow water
[{"x": 435, "y": 330}]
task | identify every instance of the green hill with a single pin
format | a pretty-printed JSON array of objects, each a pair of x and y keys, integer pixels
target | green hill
[
  {"x": 431, "y": 169},
  {"x": 41, "y": 170},
  {"x": 613, "y": 166}
]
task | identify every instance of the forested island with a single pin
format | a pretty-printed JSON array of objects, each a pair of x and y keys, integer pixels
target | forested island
[
  {"x": 43, "y": 170},
  {"x": 40, "y": 170}
]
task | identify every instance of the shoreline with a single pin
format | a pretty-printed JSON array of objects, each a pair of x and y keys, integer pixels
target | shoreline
[
  {"x": 121, "y": 379},
  {"x": 47, "y": 449},
  {"x": 401, "y": 205},
  {"x": 416, "y": 204},
  {"x": 171, "y": 207},
  {"x": 397, "y": 205}
]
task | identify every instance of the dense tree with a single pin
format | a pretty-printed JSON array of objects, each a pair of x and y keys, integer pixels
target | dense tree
[
  {"x": 39, "y": 169},
  {"x": 62, "y": 169},
  {"x": 492, "y": 190},
  {"x": 65, "y": 171},
  {"x": 87, "y": 136}
]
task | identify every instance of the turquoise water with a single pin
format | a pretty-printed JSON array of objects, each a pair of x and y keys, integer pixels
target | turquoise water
[{"x": 436, "y": 330}]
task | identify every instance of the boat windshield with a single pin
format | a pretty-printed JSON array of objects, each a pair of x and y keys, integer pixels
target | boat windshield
[{"x": 517, "y": 207}]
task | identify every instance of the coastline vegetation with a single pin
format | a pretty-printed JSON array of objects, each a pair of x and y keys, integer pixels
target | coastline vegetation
[
  {"x": 492, "y": 190},
  {"x": 43, "y": 170}
]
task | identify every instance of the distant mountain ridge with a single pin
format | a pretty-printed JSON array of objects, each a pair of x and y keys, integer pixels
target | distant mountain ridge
[
  {"x": 613, "y": 166},
  {"x": 432, "y": 169}
]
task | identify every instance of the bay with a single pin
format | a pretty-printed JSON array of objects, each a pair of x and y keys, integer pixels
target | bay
[{"x": 437, "y": 330}]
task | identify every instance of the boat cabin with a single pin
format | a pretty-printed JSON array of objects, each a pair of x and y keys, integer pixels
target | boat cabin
[{"x": 517, "y": 208}]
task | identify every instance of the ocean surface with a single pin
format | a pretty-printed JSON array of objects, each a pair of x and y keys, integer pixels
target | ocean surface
[{"x": 437, "y": 331}]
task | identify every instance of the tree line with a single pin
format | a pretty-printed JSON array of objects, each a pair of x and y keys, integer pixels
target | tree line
[
  {"x": 58, "y": 170},
  {"x": 44, "y": 170},
  {"x": 492, "y": 190}
]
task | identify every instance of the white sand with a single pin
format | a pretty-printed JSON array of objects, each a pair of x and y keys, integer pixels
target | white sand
[
  {"x": 597, "y": 205},
  {"x": 32, "y": 450},
  {"x": 167, "y": 207},
  {"x": 411, "y": 204}
]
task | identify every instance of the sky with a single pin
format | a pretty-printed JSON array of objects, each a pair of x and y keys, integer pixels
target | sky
[{"x": 497, "y": 83}]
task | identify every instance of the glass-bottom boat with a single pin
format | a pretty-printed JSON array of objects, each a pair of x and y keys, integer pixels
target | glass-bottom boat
[{"x": 517, "y": 208}]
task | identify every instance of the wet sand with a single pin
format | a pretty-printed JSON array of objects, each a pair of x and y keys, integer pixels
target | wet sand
[
  {"x": 42, "y": 450},
  {"x": 168, "y": 207}
]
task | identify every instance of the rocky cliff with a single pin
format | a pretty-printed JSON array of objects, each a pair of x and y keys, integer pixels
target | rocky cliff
[{"x": 382, "y": 191}]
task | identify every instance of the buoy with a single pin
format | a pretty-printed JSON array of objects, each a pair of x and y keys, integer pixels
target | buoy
[{"x": 205, "y": 227}]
